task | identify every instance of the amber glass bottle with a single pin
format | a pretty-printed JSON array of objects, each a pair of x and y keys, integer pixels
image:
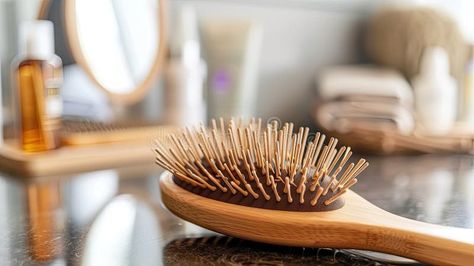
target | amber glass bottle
[{"x": 38, "y": 74}]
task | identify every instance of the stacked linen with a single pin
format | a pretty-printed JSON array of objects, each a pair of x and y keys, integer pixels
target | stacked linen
[{"x": 364, "y": 97}]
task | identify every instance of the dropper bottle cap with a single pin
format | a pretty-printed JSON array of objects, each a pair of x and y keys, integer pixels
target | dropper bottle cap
[{"x": 36, "y": 39}]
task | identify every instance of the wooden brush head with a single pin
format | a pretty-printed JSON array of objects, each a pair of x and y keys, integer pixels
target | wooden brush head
[{"x": 265, "y": 167}]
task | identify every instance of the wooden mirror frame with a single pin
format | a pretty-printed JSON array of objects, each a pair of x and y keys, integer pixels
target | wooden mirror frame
[{"x": 73, "y": 42}]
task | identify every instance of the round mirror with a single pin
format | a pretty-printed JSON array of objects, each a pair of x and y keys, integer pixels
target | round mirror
[{"x": 119, "y": 43}]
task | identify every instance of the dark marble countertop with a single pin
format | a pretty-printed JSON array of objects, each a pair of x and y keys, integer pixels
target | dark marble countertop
[{"x": 115, "y": 217}]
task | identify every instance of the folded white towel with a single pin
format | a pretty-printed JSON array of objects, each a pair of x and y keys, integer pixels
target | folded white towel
[
  {"x": 363, "y": 80},
  {"x": 342, "y": 116}
]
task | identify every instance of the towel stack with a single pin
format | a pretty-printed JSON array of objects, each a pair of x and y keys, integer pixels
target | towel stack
[{"x": 364, "y": 97}]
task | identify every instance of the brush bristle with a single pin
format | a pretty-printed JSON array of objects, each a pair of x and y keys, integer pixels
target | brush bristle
[{"x": 267, "y": 164}]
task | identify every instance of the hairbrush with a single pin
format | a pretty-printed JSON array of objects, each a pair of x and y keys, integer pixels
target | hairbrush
[
  {"x": 275, "y": 186},
  {"x": 87, "y": 132}
]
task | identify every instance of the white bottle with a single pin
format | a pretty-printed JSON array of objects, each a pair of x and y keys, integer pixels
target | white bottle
[
  {"x": 185, "y": 74},
  {"x": 435, "y": 93}
]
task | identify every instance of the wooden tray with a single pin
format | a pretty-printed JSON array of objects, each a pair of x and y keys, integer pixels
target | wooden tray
[
  {"x": 383, "y": 141},
  {"x": 74, "y": 158}
]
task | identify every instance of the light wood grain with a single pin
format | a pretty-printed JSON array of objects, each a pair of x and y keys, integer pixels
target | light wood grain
[
  {"x": 359, "y": 224},
  {"x": 74, "y": 158}
]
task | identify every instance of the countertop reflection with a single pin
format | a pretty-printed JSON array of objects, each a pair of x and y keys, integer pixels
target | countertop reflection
[{"x": 115, "y": 217}]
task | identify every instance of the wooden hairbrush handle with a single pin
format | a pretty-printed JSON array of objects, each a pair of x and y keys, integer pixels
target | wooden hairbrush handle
[
  {"x": 359, "y": 224},
  {"x": 425, "y": 242}
]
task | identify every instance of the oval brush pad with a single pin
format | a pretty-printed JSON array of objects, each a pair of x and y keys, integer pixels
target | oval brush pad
[
  {"x": 287, "y": 188},
  {"x": 272, "y": 168},
  {"x": 261, "y": 202}
]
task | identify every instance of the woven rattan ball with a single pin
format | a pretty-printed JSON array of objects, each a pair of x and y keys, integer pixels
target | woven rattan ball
[{"x": 396, "y": 37}]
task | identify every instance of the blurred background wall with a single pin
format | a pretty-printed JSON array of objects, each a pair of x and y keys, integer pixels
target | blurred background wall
[{"x": 299, "y": 38}]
